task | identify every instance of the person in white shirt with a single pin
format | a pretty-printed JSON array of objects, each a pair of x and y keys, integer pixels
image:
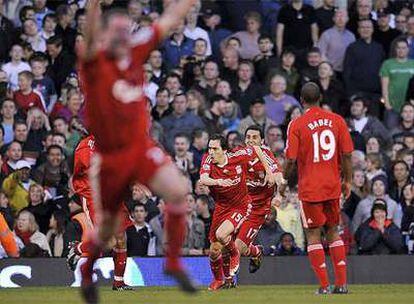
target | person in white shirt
[
  {"x": 194, "y": 32},
  {"x": 31, "y": 34},
  {"x": 15, "y": 66}
]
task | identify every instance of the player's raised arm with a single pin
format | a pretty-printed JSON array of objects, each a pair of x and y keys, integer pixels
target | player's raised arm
[
  {"x": 93, "y": 28},
  {"x": 270, "y": 178},
  {"x": 174, "y": 12}
]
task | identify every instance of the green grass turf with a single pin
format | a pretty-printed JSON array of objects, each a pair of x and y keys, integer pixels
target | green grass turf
[{"x": 366, "y": 294}]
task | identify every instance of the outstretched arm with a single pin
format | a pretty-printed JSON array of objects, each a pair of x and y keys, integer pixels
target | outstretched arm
[
  {"x": 93, "y": 28},
  {"x": 174, "y": 12},
  {"x": 206, "y": 180}
]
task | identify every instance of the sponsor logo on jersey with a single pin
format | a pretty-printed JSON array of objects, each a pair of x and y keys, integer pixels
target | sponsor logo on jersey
[{"x": 206, "y": 167}]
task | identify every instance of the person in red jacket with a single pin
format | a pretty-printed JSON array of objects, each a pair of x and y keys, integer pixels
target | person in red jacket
[{"x": 27, "y": 98}]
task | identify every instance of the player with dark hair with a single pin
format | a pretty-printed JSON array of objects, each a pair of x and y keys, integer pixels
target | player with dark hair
[
  {"x": 225, "y": 172},
  {"x": 111, "y": 69},
  {"x": 320, "y": 144}
]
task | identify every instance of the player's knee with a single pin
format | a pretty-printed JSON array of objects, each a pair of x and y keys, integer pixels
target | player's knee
[
  {"x": 215, "y": 250},
  {"x": 222, "y": 237}
]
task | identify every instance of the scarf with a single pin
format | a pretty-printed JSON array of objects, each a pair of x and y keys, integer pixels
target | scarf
[{"x": 24, "y": 236}]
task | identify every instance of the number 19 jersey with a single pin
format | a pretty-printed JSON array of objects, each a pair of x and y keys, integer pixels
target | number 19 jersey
[{"x": 317, "y": 141}]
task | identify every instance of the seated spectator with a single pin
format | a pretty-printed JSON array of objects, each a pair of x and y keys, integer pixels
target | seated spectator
[
  {"x": 58, "y": 235},
  {"x": 5, "y": 209},
  {"x": 15, "y": 66},
  {"x": 257, "y": 117},
  {"x": 249, "y": 38},
  {"x": 28, "y": 231},
  {"x": 277, "y": 103},
  {"x": 38, "y": 125},
  {"x": 311, "y": 71},
  {"x": 269, "y": 234},
  {"x": 374, "y": 145},
  {"x": 224, "y": 89},
  {"x": 288, "y": 71},
  {"x": 210, "y": 78},
  {"x": 196, "y": 102},
  {"x": 16, "y": 186},
  {"x": 158, "y": 71},
  {"x": 365, "y": 124},
  {"x": 204, "y": 214},
  {"x": 379, "y": 189},
  {"x": 194, "y": 242},
  {"x": 359, "y": 191},
  {"x": 32, "y": 35},
  {"x": 176, "y": 46},
  {"x": 378, "y": 234},
  {"x": 140, "y": 238},
  {"x": 374, "y": 166},
  {"x": 54, "y": 174},
  {"x": 162, "y": 106},
  {"x": 49, "y": 23},
  {"x": 287, "y": 246},
  {"x": 74, "y": 106},
  {"x": 13, "y": 155},
  {"x": 8, "y": 112},
  {"x": 333, "y": 92},
  {"x": 400, "y": 176},
  {"x": 42, "y": 83},
  {"x": 230, "y": 119},
  {"x": 25, "y": 97},
  {"x": 406, "y": 122},
  {"x": 408, "y": 207},
  {"x": 180, "y": 120},
  {"x": 266, "y": 60},
  {"x": 246, "y": 88}
]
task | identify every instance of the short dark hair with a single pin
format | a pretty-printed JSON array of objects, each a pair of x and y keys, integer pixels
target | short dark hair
[
  {"x": 62, "y": 9},
  {"x": 201, "y": 39},
  {"x": 314, "y": 50},
  {"x": 51, "y": 147},
  {"x": 161, "y": 90},
  {"x": 182, "y": 135},
  {"x": 139, "y": 204},
  {"x": 255, "y": 128},
  {"x": 17, "y": 123},
  {"x": 216, "y": 98},
  {"x": 49, "y": 16},
  {"x": 204, "y": 198},
  {"x": 221, "y": 139},
  {"x": 310, "y": 93},
  {"x": 55, "y": 40},
  {"x": 197, "y": 133},
  {"x": 256, "y": 101},
  {"x": 24, "y": 10},
  {"x": 265, "y": 37},
  {"x": 59, "y": 134}
]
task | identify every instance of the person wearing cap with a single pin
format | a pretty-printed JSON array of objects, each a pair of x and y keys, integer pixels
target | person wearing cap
[
  {"x": 383, "y": 33},
  {"x": 378, "y": 234},
  {"x": 379, "y": 190},
  {"x": 16, "y": 186},
  {"x": 257, "y": 117}
]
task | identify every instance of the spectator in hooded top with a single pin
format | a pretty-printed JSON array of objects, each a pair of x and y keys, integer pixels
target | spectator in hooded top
[
  {"x": 378, "y": 234},
  {"x": 287, "y": 246}
]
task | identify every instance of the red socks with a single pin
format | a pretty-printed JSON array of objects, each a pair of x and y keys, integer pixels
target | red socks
[
  {"x": 317, "y": 259},
  {"x": 94, "y": 250},
  {"x": 253, "y": 251},
  {"x": 175, "y": 228},
  {"x": 231, "y": 248},
  {"x": 216, "y": 266},
  {"x": 226, "y": 264},
  {"x": 338, "y": 257},
  {"x": 120, "y": 258}
]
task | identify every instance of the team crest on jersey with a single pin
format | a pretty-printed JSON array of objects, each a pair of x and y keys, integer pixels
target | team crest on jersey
[
  {"x": 238, "y": 169},
  {"x": 206, "y": 167},
  {"x": 125, "y": 92}
]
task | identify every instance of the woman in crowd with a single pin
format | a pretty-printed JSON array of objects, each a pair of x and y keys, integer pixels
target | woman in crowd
[
  {"x": 360, "y": 191},
  {"x": 400, "y": 177},
  {"x": 58, "y": 236}
]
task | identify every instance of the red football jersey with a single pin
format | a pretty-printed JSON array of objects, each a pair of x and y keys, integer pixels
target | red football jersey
[
  {"x": 235, "y": 169},
  {"x": 116, "y": 111},
  {"x": 256, "y": 174},
  {"x": 316, "y": 140},
  {"x": 32, "y": 100},
  {"x": 82, "y": 160}
]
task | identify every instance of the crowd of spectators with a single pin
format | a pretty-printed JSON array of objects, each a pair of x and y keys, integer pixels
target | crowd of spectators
[{"x": 229, "y": 65}]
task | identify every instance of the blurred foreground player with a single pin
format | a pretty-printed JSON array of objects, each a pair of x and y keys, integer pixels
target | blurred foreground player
[
  {"x": 111, "y": 68},
  {"x": 320, "y": 144}
]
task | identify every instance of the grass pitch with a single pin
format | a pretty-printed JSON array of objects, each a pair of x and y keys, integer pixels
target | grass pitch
[{"x": 366, "y": 294}]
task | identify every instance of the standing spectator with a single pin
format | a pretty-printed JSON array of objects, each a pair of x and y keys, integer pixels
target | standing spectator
[
  {"x": 374, "y": 166},
  {"x": 379, "y": 235},
  {"x": 135, "y": 12},
  {"x": 14, "y": 67},
  {"x": 359, "y": 191},
  {"x": 194, "y": 242},
  {"x": 334, "y": 41},
  {"x": 194, "y": 32},
  {"x": 287, "y": 246},
  {"x": 246, "y": 89},
  {"x": 249, "y": 38},
  {"x": 212, "y": 116},
  {"x": 28, "y": 231},
  {"x": 384, "y": 34},
  {"x": 401, "y": 24},
  {"x": 141, "y": 194},
  {"x": 38, "y": 125},
  {"x": 9, "y": 163},
  {"x": 410, "y": 36},
  {"x": 27, "y": 98},
  {"x": 395, "y": 75},
  {"x": 173, "y": 84},
  {"x": 288, "y": 71},
  {"x": 379, "y": 190},
  {"x": 176, "y": 46},
  {"x": 257, "y": 117},
  {"x": 150, "y": 87},
  {"x": 296, "y": 28},
  {"x": 204, "y": 214},
  {"x": 230, "y": 119},
  {"x": 362, "y": 62},
  {"x": 273, "y": 135},
  {"x": 157, "y": 226},
  {"x": 42, "y": 83},
  {"x": 266, "y": 60},
  {"x": 157, "y": 64},
  {"x": 363, "y": 12},
  {"x": 269, "y": 234},
  {"x": 400, "y": 178},
  {"x": 32, "y": 35},
  {"x": 277, "y": 102},
  {"x": 16, "y": 186},
  {"x": 74, "y": 105},
  {"x": 64, "y": 29},
  {"x": 364, "y": 124},
  {"x": 140, "y": 238},
  {"x": 8, "y": 111},
  {"x": 162, "y": 107},
  {"x": 196, "y": 102},
  {"x": 198, "y": 147},
  {"x": 180, "y": 120},
  {"x": 324, "y": 15},
  {"x": 61, "y": 63}
]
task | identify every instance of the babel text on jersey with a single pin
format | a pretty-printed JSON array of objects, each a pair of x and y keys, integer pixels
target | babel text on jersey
[{"x": 320, "y": 123}]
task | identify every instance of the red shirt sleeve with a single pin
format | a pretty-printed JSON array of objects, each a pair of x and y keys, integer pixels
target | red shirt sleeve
[
  {"x": 205, "y": 165},
  {"x": 292, "y": 143},
  {"x": 345, "y": 141},
  {"x": 272, "y": 161},
  {"x": 244, "y": 155},
  {"x": 145, "y": 41}
]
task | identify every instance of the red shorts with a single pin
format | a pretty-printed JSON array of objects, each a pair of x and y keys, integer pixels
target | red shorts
[
  {"x": 253, "y": 222},
  {"x": 319, "y": 214},
  {"x": 112, "y": 173},
  {"x": 235, "y": 216},
  {"x": 123, "y": 214}
]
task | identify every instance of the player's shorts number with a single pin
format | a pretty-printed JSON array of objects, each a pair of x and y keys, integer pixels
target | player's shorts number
[
  {"x": 237, "y": 217},
  {"x": 324, "y": 141}
]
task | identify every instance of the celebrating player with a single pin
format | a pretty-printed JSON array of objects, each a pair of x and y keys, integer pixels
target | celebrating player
[
  {"x": 111, "y": 69},
  {"x": 226, "y": 175},
  {"x": 261, "y": 195},
  {"x": 320, "y": 143}
]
